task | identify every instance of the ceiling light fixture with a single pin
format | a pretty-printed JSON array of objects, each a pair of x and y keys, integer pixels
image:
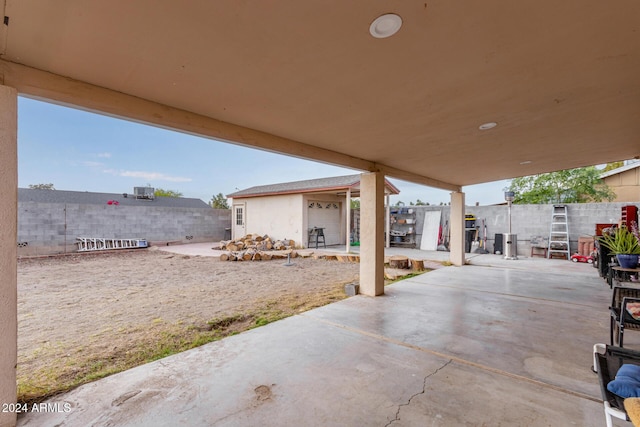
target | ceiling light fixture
[
  {"x": 487, "y": 126},
  {"x": 385, "y": 25}
]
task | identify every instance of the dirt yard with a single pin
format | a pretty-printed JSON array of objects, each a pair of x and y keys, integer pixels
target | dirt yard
[{"x": 82, "y": 317}]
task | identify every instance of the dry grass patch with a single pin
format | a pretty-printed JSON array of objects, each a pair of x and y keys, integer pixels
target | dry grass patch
[{"x": 82, "y": 318}]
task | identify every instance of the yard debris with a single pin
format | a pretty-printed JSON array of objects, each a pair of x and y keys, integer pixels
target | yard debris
[
  {"x": 254, "y": 247},
  {"x": 399, "y": 261}
]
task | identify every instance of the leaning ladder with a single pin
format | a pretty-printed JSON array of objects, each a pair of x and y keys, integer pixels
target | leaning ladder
[{"x": 559, "y": 232}]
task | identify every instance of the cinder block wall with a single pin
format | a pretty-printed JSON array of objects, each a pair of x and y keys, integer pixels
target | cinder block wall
[
  {"x": 532, "y": 220},
  {"x": 51, "y": 228}
]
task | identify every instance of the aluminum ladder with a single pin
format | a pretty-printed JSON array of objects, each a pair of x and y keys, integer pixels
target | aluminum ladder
[
  {"x": 88, "y": 244},
  {"x": 559, "y": 233}
]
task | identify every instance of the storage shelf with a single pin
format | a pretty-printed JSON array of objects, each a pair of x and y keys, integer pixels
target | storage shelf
[{"x": 404, "y": 232}]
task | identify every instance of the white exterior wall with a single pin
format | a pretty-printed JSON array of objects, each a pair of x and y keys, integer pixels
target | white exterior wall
[
  {"x": 286, "y": 216},
  {"x": 281, "y": 217}
]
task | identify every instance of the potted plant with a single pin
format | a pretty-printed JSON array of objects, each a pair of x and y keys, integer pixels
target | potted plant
[{"x": 624, "y": 244}]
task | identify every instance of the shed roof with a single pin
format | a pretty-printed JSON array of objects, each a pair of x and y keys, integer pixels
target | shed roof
[
  {"x": 335, "y": 183},
  {"x": 88, "y": 198},
  {"x": 620, "y": 169}
]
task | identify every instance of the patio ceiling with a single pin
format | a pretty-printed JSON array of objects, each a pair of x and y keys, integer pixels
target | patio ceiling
[{"x": 561, "y": 79}]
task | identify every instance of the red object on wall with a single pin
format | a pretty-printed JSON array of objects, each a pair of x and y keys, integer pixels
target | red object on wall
[
  {"x": 599, "y": 228},
  {"x": 629, "y": 213}
]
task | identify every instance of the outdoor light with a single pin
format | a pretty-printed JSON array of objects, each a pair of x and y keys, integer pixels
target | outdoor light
[
  {"x": 385, "y": 26},
  {"x": 487, "y": 126}
]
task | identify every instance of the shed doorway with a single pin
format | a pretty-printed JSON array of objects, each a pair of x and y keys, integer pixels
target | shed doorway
[{"x": 326, "y": 215}]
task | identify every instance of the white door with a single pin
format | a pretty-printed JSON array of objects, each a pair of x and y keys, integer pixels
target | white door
[
  {"x": 326, "y": 214},
  {"x": 239, "y": 220}
]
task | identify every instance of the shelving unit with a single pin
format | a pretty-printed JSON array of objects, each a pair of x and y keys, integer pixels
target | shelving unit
[{"x": 403, "y": 227}]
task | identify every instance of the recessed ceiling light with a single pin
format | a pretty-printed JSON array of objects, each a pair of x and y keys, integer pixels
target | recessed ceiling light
[
  {"x": 385, "y": 25},
  {"x": 486, "y": 126},
  {"x": 526, "y": 162}
]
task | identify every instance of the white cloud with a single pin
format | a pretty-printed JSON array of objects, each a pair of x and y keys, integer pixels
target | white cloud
[
  {"x": 148, "y": 176},
  {"x": 93, "y": 164},
  {"x": 104, "y": 155}
]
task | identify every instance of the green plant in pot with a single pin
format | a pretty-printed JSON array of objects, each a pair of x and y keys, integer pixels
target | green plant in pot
[{"x": 624, "y": 245}]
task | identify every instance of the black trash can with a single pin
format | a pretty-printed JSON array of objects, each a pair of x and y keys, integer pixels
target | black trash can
[{"x": 497, "y": 244}]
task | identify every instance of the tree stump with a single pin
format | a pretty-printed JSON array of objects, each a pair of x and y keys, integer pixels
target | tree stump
[
  {"x": 399, "y": 261},
  {"x": 417, "y": 265}
]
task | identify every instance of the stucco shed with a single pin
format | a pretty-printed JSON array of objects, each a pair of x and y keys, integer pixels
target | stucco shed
[{"x": 288, "y": 210}]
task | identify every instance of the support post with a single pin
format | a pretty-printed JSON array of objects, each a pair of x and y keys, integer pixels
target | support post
[
  {"x": 8, "y": 251},
  {"x": 348, "y": 207},
  {"x": 372, "y": 233},
  {"x": 387, "y": 223},
  {"x": 456, "y": 245}
]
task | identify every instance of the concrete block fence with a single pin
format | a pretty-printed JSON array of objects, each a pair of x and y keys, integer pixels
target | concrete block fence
[
  {"x": 532, "y": 220},
  {"x": 52, "y": 228}
]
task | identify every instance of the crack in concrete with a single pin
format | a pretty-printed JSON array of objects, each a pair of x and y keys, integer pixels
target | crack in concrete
[{"x": 424, "y": 387}]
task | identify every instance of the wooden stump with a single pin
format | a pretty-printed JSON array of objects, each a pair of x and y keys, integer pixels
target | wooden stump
[
  {"x": 417, "y": 265},
  {"x": 399, "y": 261}
]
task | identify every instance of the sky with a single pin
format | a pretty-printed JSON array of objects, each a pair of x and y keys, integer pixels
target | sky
[{"x": 80, "y": 151}]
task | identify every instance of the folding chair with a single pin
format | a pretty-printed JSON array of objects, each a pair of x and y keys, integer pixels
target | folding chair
[
  {"x": 608, "y": 360},
  {"x": 621, "y": 319}
]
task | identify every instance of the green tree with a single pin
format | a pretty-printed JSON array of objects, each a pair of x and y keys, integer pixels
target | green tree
[
  {"x": 579, "y": 185},
  {"x": 612, "y": 166},
  {"x": 421, "y": 203},
  {"x": 42, "y": 186},
  {"x": 219, "y": 202},
  {"x": 160, "y": 192},
  {"x": 355, "y": 203}
]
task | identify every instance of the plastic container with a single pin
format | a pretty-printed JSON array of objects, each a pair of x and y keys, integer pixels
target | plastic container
[{"x": 469, "y": 221}]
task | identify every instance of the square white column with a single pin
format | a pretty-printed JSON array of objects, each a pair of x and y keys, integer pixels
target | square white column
[
  {"x": 456, "y": 244},
  {"x": 8, "y": 250},
  {"x": 372, "y": 234}
]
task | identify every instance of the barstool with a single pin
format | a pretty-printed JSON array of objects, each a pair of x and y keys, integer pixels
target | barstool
[{"x": 315, "y": 234}]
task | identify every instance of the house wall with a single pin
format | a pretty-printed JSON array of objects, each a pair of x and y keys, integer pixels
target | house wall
[
  {"x": 626, "y": 185},
  {"x": 50, "y": 228},
  {"x": 281, "y": 217},
  {"x": 532, "y": 220},
  {"x": 286, "y": 216}
]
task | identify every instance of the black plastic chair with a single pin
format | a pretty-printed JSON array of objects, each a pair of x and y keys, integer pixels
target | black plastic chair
[
  {"x": 621, "y": 320},
  {"x": 607, "y": 365}
]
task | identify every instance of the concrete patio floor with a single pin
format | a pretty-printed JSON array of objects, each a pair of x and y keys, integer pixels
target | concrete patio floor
[{"x": 495, "y": 343}]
